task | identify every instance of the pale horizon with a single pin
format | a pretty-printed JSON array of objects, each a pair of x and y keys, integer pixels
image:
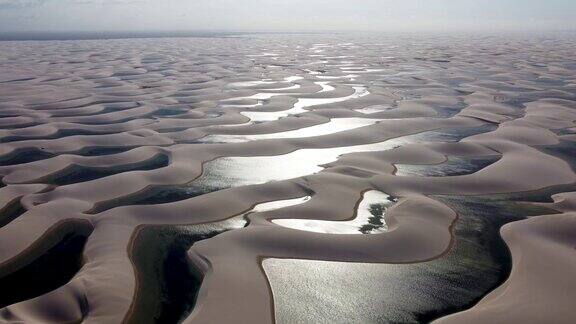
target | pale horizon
[{"x": 137, "y": 16}]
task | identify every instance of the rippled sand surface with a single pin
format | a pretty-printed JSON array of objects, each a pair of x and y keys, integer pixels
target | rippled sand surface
[{"x": 289, "y": 179}]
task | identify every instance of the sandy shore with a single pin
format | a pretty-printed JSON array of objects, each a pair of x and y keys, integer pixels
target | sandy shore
[{"x": 537, "y": 290}]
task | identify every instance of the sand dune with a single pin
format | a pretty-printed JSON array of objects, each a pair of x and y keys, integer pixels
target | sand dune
[
  {"x": 235, "y": 152},
  {"x": 537, "y": 290}
]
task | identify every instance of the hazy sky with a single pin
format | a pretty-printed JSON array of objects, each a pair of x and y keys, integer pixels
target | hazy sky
[{"x": 293, "y": 15}]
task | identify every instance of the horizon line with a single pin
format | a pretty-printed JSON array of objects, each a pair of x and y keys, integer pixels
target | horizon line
[{"x": 32, "y": 35}]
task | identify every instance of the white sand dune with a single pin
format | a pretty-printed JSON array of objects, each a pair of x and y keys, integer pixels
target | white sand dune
[
  {"x": 297, "y": 141},
  {"x": 538, "y": 290}
]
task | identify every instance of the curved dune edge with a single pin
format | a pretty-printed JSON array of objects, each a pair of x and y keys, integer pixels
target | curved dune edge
[
  {"x": 539, "y": 288},
  {"x": 228, "y": 295},
  {"x": 235, "y": 287}
]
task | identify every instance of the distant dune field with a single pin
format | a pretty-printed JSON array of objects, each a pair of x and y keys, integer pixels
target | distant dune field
[{"x": 289, "y": 179}]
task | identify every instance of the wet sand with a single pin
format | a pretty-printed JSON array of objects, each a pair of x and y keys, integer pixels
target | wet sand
[{"x": 287, "y": 178}]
